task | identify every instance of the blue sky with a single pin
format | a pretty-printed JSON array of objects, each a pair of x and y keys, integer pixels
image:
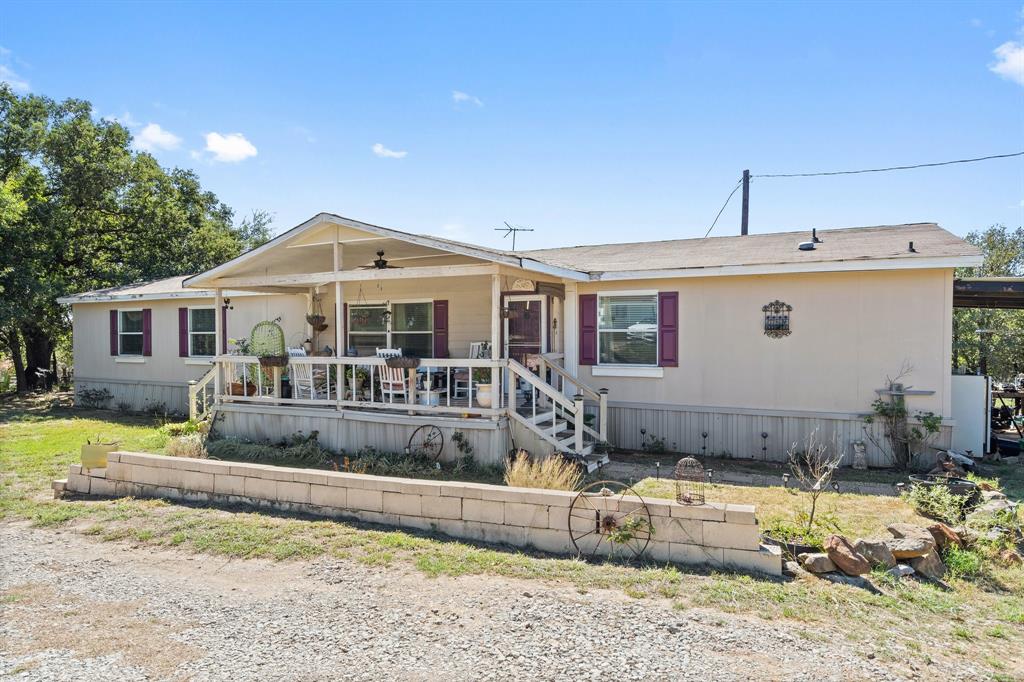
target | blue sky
[{"x": 590, "y": 123}]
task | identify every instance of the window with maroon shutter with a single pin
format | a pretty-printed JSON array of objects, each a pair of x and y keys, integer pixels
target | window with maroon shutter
[
  {"x": 147, "y": 331},
  {"x": 588, "y": 329},
  {"x": 182, "y": 332},
  {"x": 627, "y": 328},
  {"x": 668, "y": 329},
  {"x": 113, "y": 333},
  {"x": 130, "y": 333},
  {"x": 440, "y": 329}
]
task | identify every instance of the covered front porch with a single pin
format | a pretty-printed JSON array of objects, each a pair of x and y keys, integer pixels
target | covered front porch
[{"x": 398, "y": 324}]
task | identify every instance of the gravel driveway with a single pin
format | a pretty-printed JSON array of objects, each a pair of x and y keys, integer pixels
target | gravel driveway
[{"x": 76, "y": 608}]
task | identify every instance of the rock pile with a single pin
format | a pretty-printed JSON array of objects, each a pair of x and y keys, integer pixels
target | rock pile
[{"x": 911, "y": 550}]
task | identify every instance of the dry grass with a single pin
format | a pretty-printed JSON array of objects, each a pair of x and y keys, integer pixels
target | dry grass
[
  {"x": 192, "y": 445},
  {"x": 553, "y": 473},
  {"x": 857, "y": 515}
]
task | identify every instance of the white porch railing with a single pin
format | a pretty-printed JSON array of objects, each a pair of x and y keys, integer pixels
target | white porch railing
[
  {"x": 201, "y": 395},
  {"x": 565, "y": 382},
  {"x": 348, "y": 382}
]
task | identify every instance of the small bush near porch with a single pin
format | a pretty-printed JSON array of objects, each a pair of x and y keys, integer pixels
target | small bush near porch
[{"x": 919, "y": 625}]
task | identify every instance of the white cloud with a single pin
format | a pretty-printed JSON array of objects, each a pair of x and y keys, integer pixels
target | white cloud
[
  {"x": 977, "y": 23},
  {"x": 459, "y": 97},
  {"x": 17, "y": 83},
  {"x": 229, "y": 148},
  {"x": 385, "y": 153},
  {"x": 126, "y": 119},
  {"x": 1009, "y": 62},
  {"x": 154, "y": 137}
]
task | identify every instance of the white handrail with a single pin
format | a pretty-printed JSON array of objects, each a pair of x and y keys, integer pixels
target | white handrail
[{"x": 197, "y": 393}]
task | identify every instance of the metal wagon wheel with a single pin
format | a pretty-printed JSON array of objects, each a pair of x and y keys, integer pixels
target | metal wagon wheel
[
  {"x": 609, "y": 515},
  {"x": 426, "y": 441}
]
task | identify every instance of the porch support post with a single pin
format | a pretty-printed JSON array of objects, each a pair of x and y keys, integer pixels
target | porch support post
[
  {"x": 570, "y": 331},
  {"x": 496, "y": 351},
  {"x": 218, "y": 307},
  {"x": 338, "y": 303},
  {"x": 310, "y": 297}
]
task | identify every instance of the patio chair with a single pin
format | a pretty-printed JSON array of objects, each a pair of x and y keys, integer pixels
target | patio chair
[
  {"x": 460, "y": 377},
  {"x": 302, "y": 380},
  {"x": 392, "y": 379}
]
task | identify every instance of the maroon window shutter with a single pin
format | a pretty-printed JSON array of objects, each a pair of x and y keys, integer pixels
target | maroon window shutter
[
  {"x": 440, "y": 329},
  {"x": 147, "y": 331},
  {"x": 182, "y": 332},
  {"x": 588, "y": 329},
  {"x": 113, "y": 332},
  {"x": 668, "y": 328},
  {"x": 224, "y": 329}
]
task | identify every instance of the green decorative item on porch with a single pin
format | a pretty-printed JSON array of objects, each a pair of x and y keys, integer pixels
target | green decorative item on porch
[{"x": 267, "y": 343}]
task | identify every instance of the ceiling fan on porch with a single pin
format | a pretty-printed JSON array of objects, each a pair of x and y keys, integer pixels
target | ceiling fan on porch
[{"x": 379, "y": 264}]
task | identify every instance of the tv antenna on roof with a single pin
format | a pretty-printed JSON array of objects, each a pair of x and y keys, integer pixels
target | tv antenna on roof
[{"x": 511, "y": 230}]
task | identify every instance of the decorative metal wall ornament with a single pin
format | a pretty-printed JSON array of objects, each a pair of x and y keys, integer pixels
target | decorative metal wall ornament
[
  {"x": 689, "y": 475},
  {"x": 776, "y": 319}
]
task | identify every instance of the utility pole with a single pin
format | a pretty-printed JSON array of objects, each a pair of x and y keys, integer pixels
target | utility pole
[{"x": 745, "y": 214}]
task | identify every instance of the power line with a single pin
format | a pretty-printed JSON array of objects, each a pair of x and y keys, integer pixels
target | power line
[
  {"x": 891, "y": 168},
  {"x": 727, "y": 200}
]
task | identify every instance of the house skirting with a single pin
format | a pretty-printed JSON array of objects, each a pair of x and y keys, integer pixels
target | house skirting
[
  {"x": 139, "y": 396},
  {"x": 737, "y": 432},
  {"x": 351, "y": 430},
  {"x": 722, "y": 535}
]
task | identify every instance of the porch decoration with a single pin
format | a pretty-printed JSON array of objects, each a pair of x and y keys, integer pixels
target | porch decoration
[
  {"x": 776, "y": 319},
  {"x": 482, "y": 392},
  {"x": 317, "y": 321},
  {"x": 689, "y": 475},
  {"x": 402, "y": 362},
  {"x": 611, "y": 514},
  {"x": 267, "y": 343}
]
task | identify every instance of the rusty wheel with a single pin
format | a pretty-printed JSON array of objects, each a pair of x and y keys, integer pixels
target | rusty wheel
[
  {"x": 427, "y": 441},
  {"x": 609, "y": 518}
]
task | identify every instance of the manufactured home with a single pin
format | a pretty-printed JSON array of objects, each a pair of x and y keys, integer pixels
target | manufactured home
[{"x": 735, "y": 346}]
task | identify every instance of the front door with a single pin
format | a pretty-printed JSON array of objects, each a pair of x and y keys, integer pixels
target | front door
[{"x": 526, "y": 328}]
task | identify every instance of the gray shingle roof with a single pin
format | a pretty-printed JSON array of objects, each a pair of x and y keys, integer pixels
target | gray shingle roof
[{"x": 847, "y": 244}]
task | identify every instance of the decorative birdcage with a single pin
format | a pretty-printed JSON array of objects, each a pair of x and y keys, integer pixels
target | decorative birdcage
[
  {"x": 689, "y": 475},
  {"x": 267, "y": 343}
]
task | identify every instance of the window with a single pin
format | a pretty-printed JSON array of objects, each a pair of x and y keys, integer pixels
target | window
[
  {"x": 411, "y": 328},
  {"x": 202, "y": 335},
  {"x": 129, "y": 332},
  {"x": 627, "y": 329}
]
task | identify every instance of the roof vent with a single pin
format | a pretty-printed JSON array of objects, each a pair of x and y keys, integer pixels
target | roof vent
[
  {"x": 806, "y": 246},
  {"x": 910, "y": 248},
  {"x": 814, "y": 236}
]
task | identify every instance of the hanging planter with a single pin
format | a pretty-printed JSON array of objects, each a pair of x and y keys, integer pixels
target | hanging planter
[
  {"x": 273, "y": 361},
  {"x": 315, "y": 319}
]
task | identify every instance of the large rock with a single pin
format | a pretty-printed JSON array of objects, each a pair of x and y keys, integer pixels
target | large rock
[
  {"x": 1011, "y": 557},
  {"x": 793, "y": 570},
  {"x": 930, "y": 566},
  {"x": 843, "y": 555},
  {"x": 989, "y": 495},
  {"x": 944, "y": 536},
  {"x": 991, "y": 508},
  {"x": 876, "y": 552},
  {"x": 817, "y": 563},
  {"x": 909, "y": 530},
  {"x": 901, "y": 571},
  {"x": 910, "y": 548}
]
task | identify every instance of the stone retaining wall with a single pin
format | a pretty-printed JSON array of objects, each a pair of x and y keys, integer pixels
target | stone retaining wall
[{"x": 723, "y": 535}]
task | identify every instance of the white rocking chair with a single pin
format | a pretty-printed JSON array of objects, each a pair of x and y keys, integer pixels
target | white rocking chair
[
  {"x": 302, "y": 380},
  {"x": 461, "y": 377},
  {"x": 392, "y": 379}
]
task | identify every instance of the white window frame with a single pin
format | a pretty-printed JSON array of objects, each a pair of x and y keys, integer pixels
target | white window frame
[
  {"x": 388, "y": 331},
  {"x": 657, "y": 327},
  {"x": 141, "y": 333},
  {"x": 190, "y": 332}
]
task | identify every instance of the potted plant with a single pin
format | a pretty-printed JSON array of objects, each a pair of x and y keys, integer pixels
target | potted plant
[
  {"x": 94, "y": 455},
  {"x": 482, "y": 379},
  {"x": 360, "y": 374}
]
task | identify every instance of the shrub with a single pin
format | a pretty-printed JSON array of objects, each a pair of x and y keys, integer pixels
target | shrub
[
  {"x": 298, "y": 450},
  {"x": 963, "y": 563},
  {"x": 936, "y": 502},
  {"x": 185, "y": 428},
  {"x": 96, "y": 398},
  {"x": 554, "y": 473},
  {"x": 192, "y": 445}
]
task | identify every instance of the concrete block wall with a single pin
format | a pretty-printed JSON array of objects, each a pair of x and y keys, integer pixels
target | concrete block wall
[{"x": 720, "y": 535}]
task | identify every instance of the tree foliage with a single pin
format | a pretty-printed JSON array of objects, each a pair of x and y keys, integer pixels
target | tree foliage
[
  {"x": 1003, "y": 348},
  {"x": 79, "y": 210}
]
